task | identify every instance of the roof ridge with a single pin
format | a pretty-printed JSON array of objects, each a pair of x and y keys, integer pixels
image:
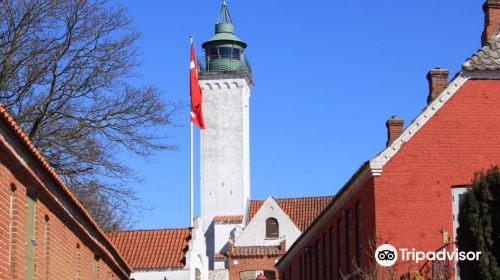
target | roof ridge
[
  {"x": 229, "y": 215},
  {"x": 258, "y": 246},
  {"x": 319, "y": 196},
  {"x": 150, "y": 230},
  {"x": 290, "y": 198},
  {"x": 487, "y": 58}
]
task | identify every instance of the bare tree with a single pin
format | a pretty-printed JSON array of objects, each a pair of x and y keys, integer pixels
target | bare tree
[{"x": 66, "y": 68}]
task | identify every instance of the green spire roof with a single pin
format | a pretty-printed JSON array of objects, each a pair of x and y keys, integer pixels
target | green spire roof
[
  {"x": 224, "y": 16},
  {"x": 224, "y": 30}
]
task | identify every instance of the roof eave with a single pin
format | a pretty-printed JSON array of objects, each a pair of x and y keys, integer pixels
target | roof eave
[
  {"x": 374, "y": 167},
  {"x": 24, "y": 140},
  {"x": 359, "y": 178}
]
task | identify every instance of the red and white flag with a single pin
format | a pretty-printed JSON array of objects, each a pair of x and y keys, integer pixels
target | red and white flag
[{"x": 196, "y": 114}]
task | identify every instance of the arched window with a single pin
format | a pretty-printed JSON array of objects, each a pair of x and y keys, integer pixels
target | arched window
[{"x": 272, "y": 228}]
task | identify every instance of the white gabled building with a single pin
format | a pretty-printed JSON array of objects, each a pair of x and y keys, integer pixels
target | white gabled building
[
  {"x": 244, "y": 237},
  {"x": 269, "y": 227}
]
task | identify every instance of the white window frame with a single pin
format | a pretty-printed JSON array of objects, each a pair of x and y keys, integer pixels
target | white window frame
[{"x": 456, "y": 192}]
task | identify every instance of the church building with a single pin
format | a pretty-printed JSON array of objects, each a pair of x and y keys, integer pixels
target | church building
[
  {"x": 235, "y": 237},
  {"x": 408, "y": 195}
]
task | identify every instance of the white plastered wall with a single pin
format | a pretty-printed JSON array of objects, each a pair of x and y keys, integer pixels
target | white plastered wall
[
  {"x": 225, "y": 161},
  {"x": 254, "y": 233},
  {"x": 196, "y": 256},
  {"x": 223, "y": 231},
  {"x": 180, "y": 274},
  {"x": 225, "y": 152}
]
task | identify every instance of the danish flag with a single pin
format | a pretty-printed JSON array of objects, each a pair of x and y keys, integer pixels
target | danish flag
[{"x": 196, "y": 114}]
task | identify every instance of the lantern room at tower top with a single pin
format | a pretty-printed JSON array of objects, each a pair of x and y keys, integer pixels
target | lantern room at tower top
[{"x": 225, "y": 52}]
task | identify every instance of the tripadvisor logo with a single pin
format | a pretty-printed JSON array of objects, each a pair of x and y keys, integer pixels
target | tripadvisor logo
[{"x": 387, "y": 255}]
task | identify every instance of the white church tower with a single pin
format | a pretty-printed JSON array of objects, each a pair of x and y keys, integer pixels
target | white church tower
[{"x": 226, "y": 80}]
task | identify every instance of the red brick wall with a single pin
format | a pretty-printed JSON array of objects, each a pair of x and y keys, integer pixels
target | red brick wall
[
  {"x": 491, "y": 19},
  {"x": 4, "y": 223},
  {"x": 413, "y": 195},
  {"x": 365, "y": 197},
  {"x": 410, "y": 203},
  {"x": 251, "y": 264},
  {"x": 62, "y": 250}
]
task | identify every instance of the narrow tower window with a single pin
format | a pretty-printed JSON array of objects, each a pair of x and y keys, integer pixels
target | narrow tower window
[{"x": 272, "y": 228}]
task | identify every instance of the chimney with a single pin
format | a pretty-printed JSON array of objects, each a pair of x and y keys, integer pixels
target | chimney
[
  {"x": 394, "y": 129},
  {"x": 491, "y": 20},
  {"x": 438, "y": 79}
]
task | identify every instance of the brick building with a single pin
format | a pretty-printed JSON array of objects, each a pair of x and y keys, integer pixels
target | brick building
[
  {"x": 45, "y": 232},
  {"x": 252, "y": 246},
  {"x": 238, "y": 238},
  {"x": 272, "y": 226},
  {"x": 408, "y": 194}
]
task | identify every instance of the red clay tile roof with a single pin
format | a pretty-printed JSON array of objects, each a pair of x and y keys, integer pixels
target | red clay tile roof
[
  {"x": 302, "y": 210},
  {"x": 255, "y": 251},
  {"x": 17, "y": 130},
  {"x": 153, "y": 249},
  {"x": 229, "y": 219},
  {"x": 220, "y": 256}
]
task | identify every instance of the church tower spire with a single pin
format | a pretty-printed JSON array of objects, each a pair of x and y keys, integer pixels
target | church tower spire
[{"x": 226, "y": 80}]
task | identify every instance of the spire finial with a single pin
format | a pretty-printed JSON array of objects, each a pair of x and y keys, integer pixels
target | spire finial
[{"x": 224, "y": 16}]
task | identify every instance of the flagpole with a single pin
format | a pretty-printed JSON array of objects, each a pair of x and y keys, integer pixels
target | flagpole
[{"x": 191, "y": 190}]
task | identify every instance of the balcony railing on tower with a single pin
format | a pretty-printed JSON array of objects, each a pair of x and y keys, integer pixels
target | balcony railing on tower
[{"x": 225, "y": 63}]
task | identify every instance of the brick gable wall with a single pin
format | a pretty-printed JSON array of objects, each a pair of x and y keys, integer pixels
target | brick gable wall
[
  {"x": 413, "y": 197},
  {"x": 251, "y": 264},
  {"x": 409, "y": 204}
]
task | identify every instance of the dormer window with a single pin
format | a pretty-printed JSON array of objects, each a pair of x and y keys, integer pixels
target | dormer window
[{"x": 272, "y": 228}]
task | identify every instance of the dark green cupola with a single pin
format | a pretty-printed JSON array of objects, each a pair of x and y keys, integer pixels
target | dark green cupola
[{"x": 224, "y": 52}]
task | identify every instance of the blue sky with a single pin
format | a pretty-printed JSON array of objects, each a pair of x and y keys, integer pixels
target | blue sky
[{"x": 328, "y": 74}]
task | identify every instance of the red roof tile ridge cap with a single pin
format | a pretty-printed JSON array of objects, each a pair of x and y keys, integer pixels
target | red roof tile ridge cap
[
  {"x": 257, "y": 246},
  {"x": 236, "y": 215},
  {"x": 45, "y": 164},
  {"x": 225, "y": 218},
  {"x": 293, "y": 198},
  {"x": 150, "y": 230},
  {"x": 305, "y": 197}
]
